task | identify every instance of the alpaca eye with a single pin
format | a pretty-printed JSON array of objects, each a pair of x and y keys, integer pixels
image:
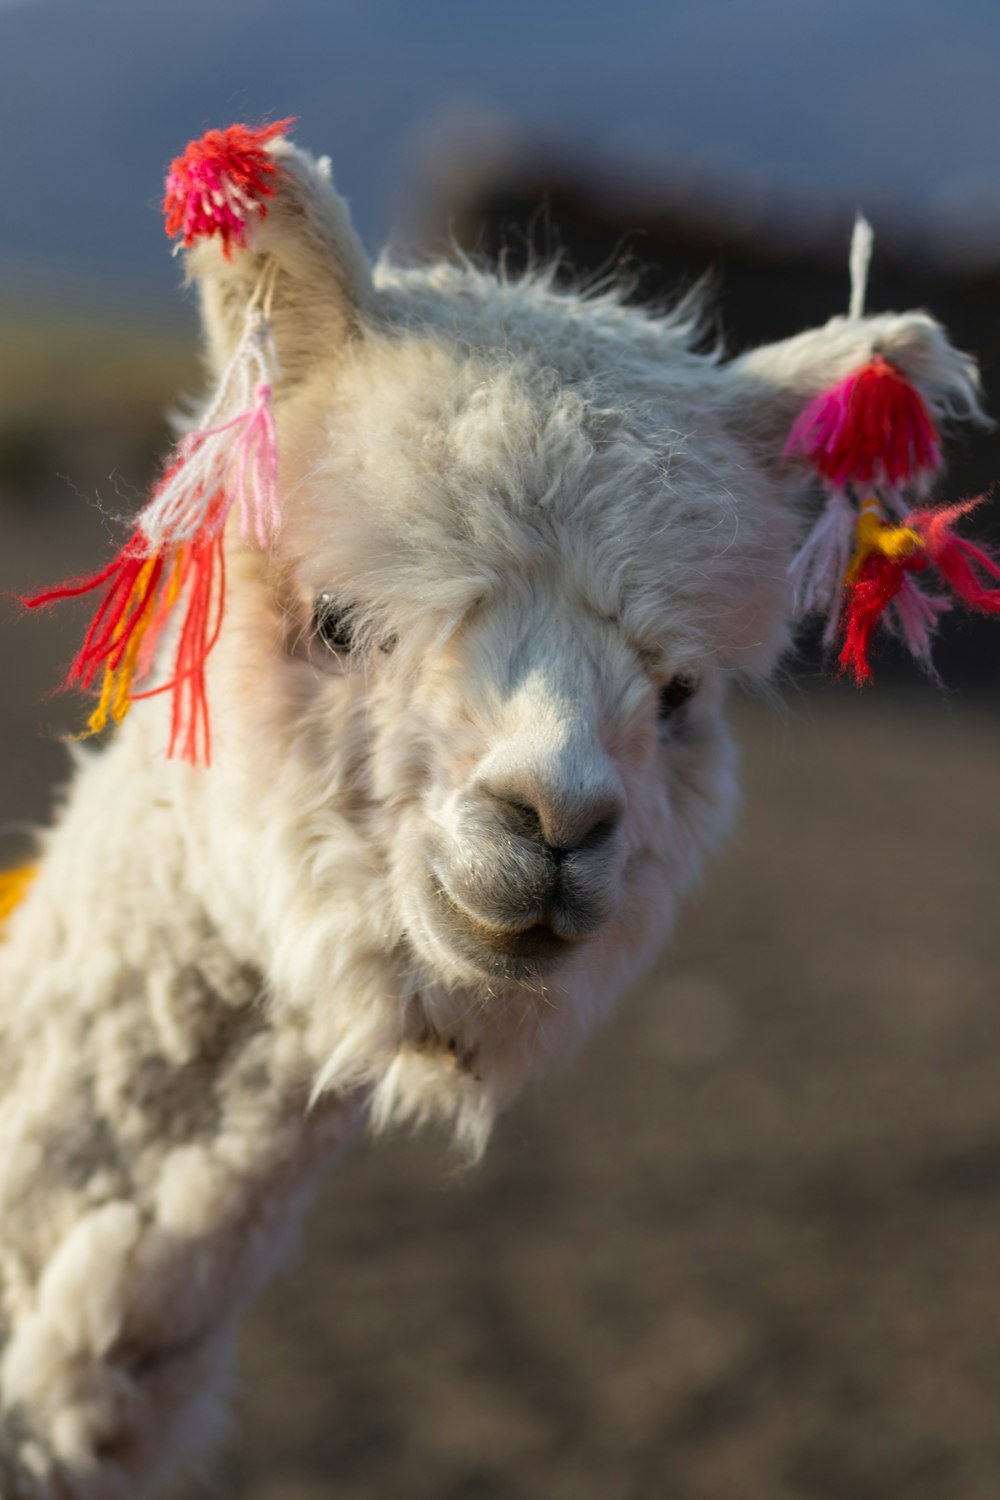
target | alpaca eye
[
  {"x": 332, "y": 623},
  {"x": 673, "y": 696}
]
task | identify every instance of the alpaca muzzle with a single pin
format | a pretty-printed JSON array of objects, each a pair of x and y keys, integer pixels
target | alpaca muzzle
[{"x": 504, "y": 888}]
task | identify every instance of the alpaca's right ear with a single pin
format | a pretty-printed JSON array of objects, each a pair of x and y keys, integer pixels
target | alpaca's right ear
[
  {"x": 855, "y": 411},
  {"x": 322, "y": 283},
  {"x": 767, "y": 389}
]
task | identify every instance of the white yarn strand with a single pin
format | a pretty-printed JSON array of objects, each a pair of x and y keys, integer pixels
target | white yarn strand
[
  {"x": 819, "y": 567},
  {"x": 913, "y": 616},
  {"x": 862, "y": 244}
]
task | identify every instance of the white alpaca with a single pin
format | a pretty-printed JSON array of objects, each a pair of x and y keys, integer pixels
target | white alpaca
[{"x": 469, "y": 749}]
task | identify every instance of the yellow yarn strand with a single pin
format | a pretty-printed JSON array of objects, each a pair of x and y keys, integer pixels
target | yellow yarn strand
[
  {"x": 14, "y": 887},
  {"x": 116, "y": 686},
  {"x": 99, "y": 717},
  {"x": 126, "y": 671},
  {"x": 872, "y": 534},
  {"x": 176, "y": 574}
]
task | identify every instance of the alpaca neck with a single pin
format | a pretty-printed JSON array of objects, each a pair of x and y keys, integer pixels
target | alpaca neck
[{"x": 112, "y": 893}]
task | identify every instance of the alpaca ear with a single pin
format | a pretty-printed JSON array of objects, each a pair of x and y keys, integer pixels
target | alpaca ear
[
  {"x": 284, "y": 282},
  {"x": 768, "y": 388},
  {"x": 322, "y": 283},
  {"x": 851, "y": 414}
]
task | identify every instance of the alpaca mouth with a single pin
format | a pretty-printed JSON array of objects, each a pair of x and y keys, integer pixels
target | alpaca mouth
[{"x": 510, "y": 953}]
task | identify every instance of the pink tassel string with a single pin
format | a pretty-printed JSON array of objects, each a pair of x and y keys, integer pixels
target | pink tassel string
[{"x": 233, "y": 456}]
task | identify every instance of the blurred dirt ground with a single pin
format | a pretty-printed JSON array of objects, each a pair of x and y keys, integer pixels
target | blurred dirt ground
[{"x": 747, "y": 1247}]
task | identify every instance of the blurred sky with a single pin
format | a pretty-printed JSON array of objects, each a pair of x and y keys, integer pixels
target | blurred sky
[{"x": 886, "y": 104}]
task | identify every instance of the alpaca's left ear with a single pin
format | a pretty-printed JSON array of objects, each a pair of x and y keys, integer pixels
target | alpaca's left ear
[
  {"x": 284, "y": 236},
  {"x": 852, "y": 414},
  {"x": 284, "y": 283}
]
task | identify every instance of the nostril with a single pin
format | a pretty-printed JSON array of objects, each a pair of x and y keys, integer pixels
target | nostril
[
  {"x": 599, "y": 834},
  {"x": 561, "y": 814},
  {"x": 523, "y": 819},
  {"x": 559, "y": 826},
  {"x": 595, "y": 836}
]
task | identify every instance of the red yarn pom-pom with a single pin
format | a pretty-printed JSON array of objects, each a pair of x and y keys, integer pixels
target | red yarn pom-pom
[
  {"x": 220, "y": 182},
  {"x": 873, "y": 426}
]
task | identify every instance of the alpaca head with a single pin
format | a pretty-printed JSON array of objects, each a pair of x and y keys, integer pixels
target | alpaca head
[{"x": 468, "y": 711}]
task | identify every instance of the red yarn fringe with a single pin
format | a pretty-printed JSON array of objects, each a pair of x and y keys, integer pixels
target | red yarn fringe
[
  {"x": 121, "y": 613},
  {"x": 959, "y": 562},
  {"x": 956, "y": 558},
  {"x": 140, "y": 592},
  {"x": 874, "y": 589},
  {"x": 203, "y": 575},
  {"x": 219, "y": 182}
]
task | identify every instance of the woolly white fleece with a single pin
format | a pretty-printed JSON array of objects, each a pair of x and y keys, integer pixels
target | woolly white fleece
[{"x": 537, "y": 511}]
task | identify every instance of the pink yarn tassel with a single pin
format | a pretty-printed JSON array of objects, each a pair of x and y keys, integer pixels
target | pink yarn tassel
[
  {"x": 256, "y": 452},
  {"x": 968, "y": 568},
  {"x": 231, "y": 458}
]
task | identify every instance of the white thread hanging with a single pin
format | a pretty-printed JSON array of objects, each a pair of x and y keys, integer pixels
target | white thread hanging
[
  {"x": 913, "y": 616},
  {"x": 862, "y": 244},
  {"x": 820, "y": 566}
]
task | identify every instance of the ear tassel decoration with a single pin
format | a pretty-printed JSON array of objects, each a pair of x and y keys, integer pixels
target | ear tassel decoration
[
  {"x": 881, "y": 577},
  {"x": 871, "y": 427},
  {"x": 175, "y": 555},
  {"x": 874, "y": 444},
  {"x": 232, "y": 456},
  {"x": 219, "y": 183},
  {"x": 871, "y": 430}
]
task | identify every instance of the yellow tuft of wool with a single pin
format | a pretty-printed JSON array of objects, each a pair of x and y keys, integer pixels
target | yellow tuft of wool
[{"x": 872, "y": 534}]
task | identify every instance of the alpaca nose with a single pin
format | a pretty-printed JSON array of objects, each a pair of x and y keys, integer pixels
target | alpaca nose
[{"x": 563, "y": 821}]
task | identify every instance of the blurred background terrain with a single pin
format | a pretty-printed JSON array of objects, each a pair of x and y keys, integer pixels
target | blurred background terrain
[{"x": 747, "y": 1245}]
